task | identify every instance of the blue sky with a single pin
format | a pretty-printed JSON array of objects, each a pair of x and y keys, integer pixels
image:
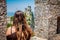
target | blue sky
[{"x": 14, "y": 5}]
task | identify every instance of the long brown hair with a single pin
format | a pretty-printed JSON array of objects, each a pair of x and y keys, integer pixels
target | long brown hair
[{"x": 23, "y": 32}]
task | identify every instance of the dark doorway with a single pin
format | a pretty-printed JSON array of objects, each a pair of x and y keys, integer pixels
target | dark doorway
[{"x": 58, "y": 25}]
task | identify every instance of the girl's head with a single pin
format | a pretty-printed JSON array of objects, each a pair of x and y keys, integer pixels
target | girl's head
[{"x": 19, "y": 18}]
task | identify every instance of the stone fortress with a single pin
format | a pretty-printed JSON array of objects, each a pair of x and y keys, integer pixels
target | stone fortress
[
  {"x": 47, "y": 19},
  {"x": 3, "y": 22}
]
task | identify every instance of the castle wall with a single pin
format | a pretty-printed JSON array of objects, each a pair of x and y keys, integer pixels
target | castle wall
[
  {"x": 46, "y": 13},
  {"x": 2, "y": 19}
]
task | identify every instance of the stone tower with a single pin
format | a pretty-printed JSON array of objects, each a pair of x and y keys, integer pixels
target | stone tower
[
  {"x": 46, "y": 13},
  {"x": 2, "y": 19}
]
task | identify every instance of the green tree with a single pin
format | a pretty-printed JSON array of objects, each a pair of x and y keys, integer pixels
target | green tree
[
  {"x": 11, "y": 18},
  {"x": 29, "y": 17},
  {"x": 9, "y": 24}
]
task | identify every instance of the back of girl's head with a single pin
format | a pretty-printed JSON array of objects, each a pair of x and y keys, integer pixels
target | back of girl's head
[{"x": 19, "y": 17}]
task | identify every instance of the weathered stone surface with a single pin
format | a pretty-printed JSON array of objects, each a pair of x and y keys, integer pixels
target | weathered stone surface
[
  {"x": 2, "y": 20},
  {"x": 37, "y": 38},
  {"x": 56, "y": 37},
  {"x": 40, "y": 1},
  {"x": 46, "y": 18},
  {"x": 41, "y": 20},
  {"x": 54, "y": 2}
]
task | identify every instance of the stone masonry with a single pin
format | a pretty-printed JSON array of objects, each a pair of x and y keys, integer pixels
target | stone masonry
[
  {"x": 2, "y": 19},
  {"x": 46, "y": 13}
]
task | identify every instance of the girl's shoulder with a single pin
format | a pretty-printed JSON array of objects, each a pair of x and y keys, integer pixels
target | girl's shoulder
[{"x": 10, "y": 29}]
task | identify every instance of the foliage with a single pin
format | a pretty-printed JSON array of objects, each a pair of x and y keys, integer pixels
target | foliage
[
  {"x": 9, "y": 24},
  {"x": 11, "y": 18}
]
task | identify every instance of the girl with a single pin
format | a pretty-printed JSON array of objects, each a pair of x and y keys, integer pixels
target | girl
[{"x": 20, "y": 29}]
